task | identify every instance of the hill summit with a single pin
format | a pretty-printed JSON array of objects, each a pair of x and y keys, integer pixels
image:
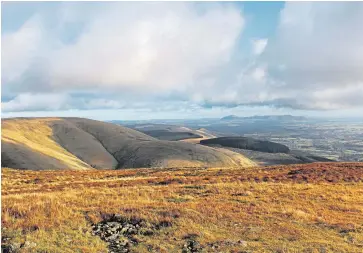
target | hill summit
[{"x": 230, "y": 117}]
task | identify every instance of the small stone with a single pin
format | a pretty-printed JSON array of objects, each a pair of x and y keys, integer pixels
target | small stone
[
  {"x": 242, "y": 243},
  {"x": 113, "y": 237},
  {"x": 124, "y": 243},
  {"x": 124, "y": 230},
  {"x": 117, "y": 217},
  {"x": 132, "y": 231},
  {"x": 28, "y": 244},
  {"x": 16, "y": 245}
]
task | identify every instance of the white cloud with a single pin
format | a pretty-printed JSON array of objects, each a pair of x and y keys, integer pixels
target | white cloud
[
  {"x": 143, "y": 51},
  {"x": 19, "y": 49},
  {"x": 35, "y": 102},
  {"x": 148, "y": 47},
  {"x": 259, "y": 46},
  {"x": 259, "y": 74},
  {"x": 320, "y": 44},
  {"x": 314, "y": 62},
  {"x": 60, "y": 101},
  {"x": 318, "y": 49}
]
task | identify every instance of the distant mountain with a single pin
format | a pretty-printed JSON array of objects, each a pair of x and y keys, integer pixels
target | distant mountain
[
  {"x": 76, "y": 143},
  {"x": 231, "y": 117}
]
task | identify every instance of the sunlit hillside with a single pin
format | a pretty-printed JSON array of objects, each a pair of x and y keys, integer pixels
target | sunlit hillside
[
  {"x": 78, "y": 143},
  {"x": 36, "y": 135},
  {"x": 302, "y": 208}
]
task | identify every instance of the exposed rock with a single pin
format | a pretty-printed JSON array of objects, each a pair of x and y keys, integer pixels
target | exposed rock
[
  {"x": 16, "y": 246},
  {"x": 119, "y": 231},
  {"x": 10, "y": 248},
  {"x": 191, "y": 245}
]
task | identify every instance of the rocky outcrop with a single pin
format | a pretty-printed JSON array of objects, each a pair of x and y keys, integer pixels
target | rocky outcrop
[{"x": 119, "y": 232}]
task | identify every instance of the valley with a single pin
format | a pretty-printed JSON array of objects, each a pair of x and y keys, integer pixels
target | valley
[{"x": 332, "y": 138}]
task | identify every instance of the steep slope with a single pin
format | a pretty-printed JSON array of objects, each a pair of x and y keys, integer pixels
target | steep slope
[
  {"x": 82, "y": 144},
  {"x": 23, "y": 157},
  {"x": 29, "y": 143},
  {"x": 134, "y": 149},
  {"x": 263, "y": 152},
  {"x": 75, "y": 143}
]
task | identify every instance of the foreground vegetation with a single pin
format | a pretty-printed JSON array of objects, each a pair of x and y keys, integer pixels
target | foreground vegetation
[{"x": 302, "y": 208}]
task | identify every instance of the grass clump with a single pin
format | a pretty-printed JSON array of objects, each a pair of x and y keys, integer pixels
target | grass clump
[{"x": 229, "y": 212}]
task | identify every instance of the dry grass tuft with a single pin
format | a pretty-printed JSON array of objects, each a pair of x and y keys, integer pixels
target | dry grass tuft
[{"x": 272, "y": 209}]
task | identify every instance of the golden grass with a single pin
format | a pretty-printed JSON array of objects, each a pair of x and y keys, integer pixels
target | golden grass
[
  {"x": 55, "y": 209},
  {"x": 201, "y": 132},
  {"x": 37, "y": 135}
]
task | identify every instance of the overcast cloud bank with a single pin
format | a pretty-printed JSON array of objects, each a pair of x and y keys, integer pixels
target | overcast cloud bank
[{"x": 132, "y": 55}]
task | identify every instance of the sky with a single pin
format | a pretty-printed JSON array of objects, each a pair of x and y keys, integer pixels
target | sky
[{"x": 181, "y": 60}]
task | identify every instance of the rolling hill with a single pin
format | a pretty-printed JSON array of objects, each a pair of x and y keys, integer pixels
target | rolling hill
[
  {"x": 263, "y": 152},
  {"x": 166, "y": 132},
  {"x": 173, "y": 132},
  {"x": 76, "y": 143}
]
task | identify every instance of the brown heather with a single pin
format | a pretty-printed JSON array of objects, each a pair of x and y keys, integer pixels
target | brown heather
[{"x": 301, "y": 208}]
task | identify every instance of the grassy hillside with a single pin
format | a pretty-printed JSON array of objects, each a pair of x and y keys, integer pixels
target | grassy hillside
[
  {"x": 204, "y": 133},
  {"x": 171, "y": 136},
  {"x": 301, "y": 208},
  {"x": 166, "y": 132},
  {"x": 36, "y": 137},
  {"x": 263, "y": 152},
  {"x": 75, "y": 143},
  {"x": 173, "y": 132},
  {"x": 247, "y": 143}
]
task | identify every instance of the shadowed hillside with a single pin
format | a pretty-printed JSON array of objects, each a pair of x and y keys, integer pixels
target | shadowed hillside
[
  {"x": 247, "y": 143},
  {"x": 264, "y": 152},
  {"x": 171, "y": 136},
  {"x": 166, "y": 132},
  {"x": 75, "y": 143}
]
